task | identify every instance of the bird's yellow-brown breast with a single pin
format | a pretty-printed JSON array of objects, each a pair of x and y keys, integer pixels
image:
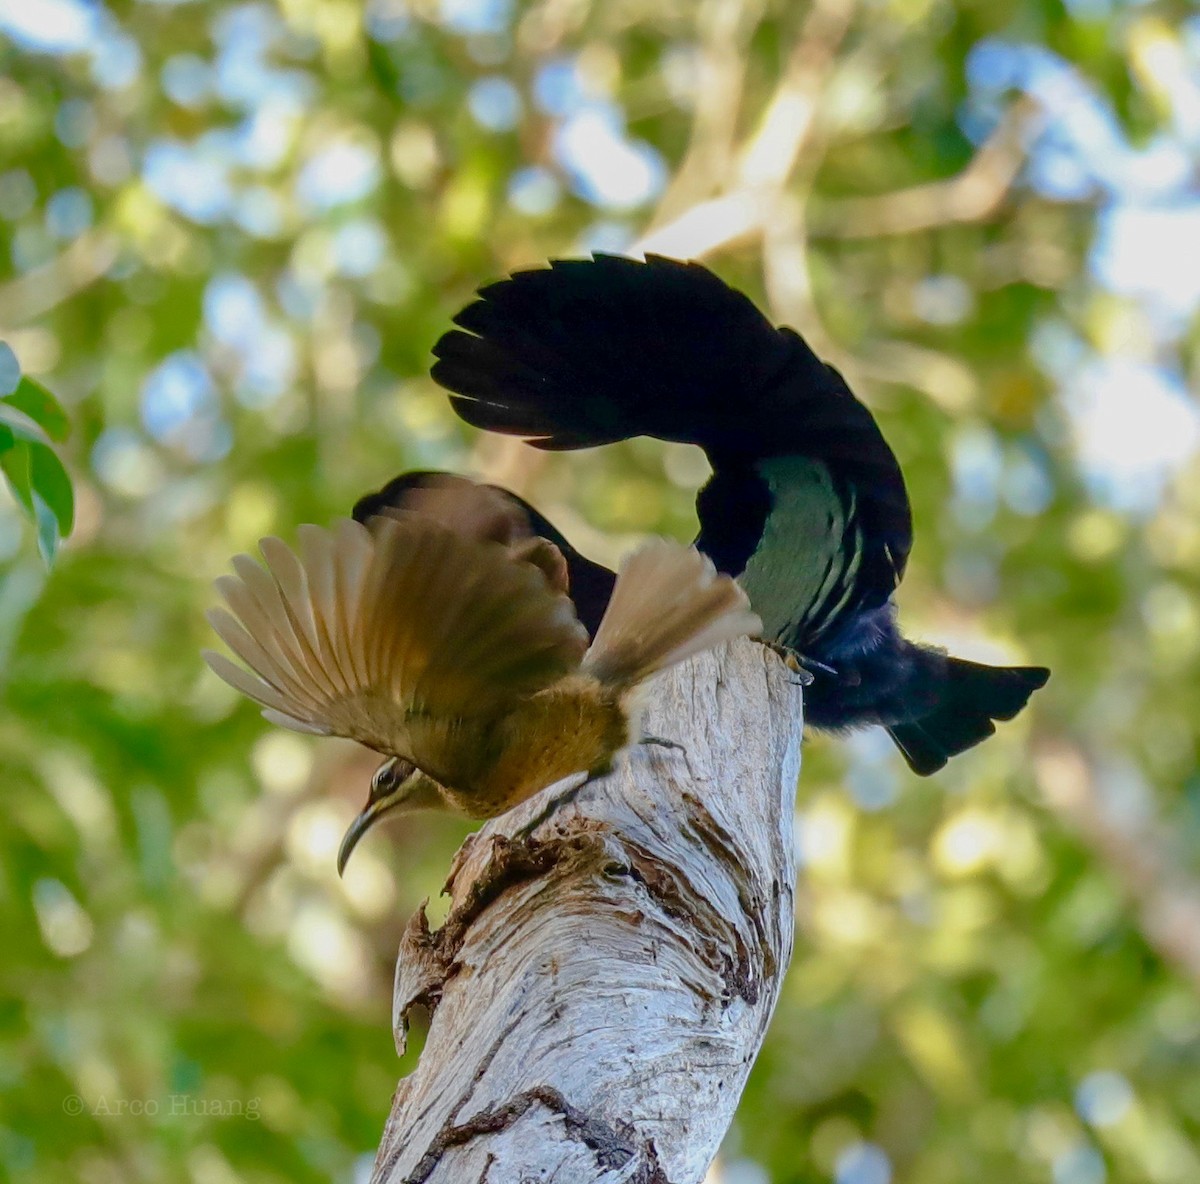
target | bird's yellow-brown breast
[{"x": 574, "y": 726}]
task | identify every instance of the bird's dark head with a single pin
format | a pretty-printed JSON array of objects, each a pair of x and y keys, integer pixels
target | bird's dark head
[{"x": 398, "y": 786}]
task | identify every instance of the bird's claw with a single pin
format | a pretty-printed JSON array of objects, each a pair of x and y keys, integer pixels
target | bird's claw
[
  {"x": 804, "y": 678},
  {"x": 554, "y": 804},
  {"x": 659, "y": 742},
  {"x": 800, "y": 664},
  {"x": 569, "y": 795}
]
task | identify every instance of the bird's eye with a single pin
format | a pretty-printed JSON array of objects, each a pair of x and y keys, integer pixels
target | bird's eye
[
  {"x": 389, "y": 777},
  {"x": 384, "y": 780}
]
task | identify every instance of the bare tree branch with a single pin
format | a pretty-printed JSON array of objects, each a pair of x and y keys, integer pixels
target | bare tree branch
[
  {"x": 770, "y": 155},
  {"x": 975, "y": 194},
  {"x": 77, "y": 267},
  {"x": 1132, "y": 845},
  {"x": 600, "y": 988},
  {"x": 720, "y": 74}
]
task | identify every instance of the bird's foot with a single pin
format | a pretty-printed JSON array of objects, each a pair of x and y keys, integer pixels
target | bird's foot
[
  {"x": 794, "y": 662},
  {"x": 554, "y": 804},
  {"x": 804, "y": 678},
  {"x": 659, "y": 742},
  {"x": 799, "y": 664}
]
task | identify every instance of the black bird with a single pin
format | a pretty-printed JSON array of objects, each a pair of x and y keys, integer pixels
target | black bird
[{"x": 806, "y": 505}]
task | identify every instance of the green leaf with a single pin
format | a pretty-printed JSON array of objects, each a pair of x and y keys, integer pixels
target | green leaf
[
  {"x": 41, "y": 484},
  {"x": 48, "y": 535},
  {"x": 41, "y": 406},
  {"x": 10, "y": 369},
  {"x": 7, "y": 439},
  {"x": 16, "y": 466},
  {"x": 52, "y": 485},
  {"x": 19, "y": 423}
]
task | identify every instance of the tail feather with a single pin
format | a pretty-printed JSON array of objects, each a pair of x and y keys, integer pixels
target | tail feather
[
  {"x": 668, "y": 604},
  {"x": 973, "y": 697},
  {"x": 588, "y": 351}
]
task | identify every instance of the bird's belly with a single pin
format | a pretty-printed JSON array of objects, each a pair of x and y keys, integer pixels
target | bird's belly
[{"x": 557, "y": 733}]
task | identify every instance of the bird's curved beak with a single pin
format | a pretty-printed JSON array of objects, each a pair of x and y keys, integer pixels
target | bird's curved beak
[
  {"x": 398, "y": 785},
  {"x": 371, "y": 813}
]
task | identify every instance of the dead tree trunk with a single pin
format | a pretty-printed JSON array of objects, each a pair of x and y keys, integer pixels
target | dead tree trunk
[{"x": 601, "y": 988}]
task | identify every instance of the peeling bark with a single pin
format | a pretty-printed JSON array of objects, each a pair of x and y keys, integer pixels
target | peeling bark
[{"x": 601, "y": 987}]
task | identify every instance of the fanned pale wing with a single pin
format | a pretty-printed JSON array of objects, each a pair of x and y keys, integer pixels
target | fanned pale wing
[
  {"x": 668, "y": 604},
  {"x": 360, "y": 632}
]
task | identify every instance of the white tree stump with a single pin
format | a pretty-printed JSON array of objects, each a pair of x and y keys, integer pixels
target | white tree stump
[{"x": 601, "y": 988}]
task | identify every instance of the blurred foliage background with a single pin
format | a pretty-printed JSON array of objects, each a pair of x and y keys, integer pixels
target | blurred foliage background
[{"x": 229, "y": 234}]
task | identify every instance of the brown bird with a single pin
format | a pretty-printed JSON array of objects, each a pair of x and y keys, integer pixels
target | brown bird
[{"x": 442, "y": 637}]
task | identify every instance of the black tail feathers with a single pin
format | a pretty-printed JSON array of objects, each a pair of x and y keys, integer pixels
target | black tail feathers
[
  {"x": 589, "y": 351},
  {"x": 972, "y": 697}
]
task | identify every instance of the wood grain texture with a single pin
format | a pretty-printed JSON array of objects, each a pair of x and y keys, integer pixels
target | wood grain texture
[{"x": 602, "y": 986}]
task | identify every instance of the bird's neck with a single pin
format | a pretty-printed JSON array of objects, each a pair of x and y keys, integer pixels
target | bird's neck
[{"x": 733, "y": 507}]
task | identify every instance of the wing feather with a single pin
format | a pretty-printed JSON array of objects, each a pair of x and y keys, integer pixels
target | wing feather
[
  {"x": 361, "y": 632},
  {"x": 283, "y": 720},
  {"x": 351, "y": 561},
  {"x": 316, "y": 557},
  {"x": 258, "y": 584},
  {"x": 289, "y": 575},
  {"x": 244, "y": 681},
  {"x": 244, "y": 628}
]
